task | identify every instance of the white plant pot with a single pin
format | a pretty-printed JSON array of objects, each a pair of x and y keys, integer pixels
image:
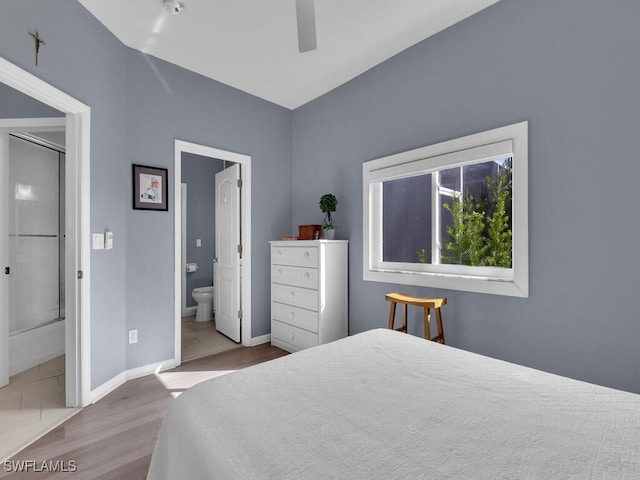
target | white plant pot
[{"x": 329, "y": 234}]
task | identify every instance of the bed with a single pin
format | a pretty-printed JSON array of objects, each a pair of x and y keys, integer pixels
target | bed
[{"x": 383, "y": 404}]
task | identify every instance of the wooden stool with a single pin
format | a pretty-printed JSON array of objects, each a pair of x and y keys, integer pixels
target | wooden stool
[{"x": 426, "y": 303}]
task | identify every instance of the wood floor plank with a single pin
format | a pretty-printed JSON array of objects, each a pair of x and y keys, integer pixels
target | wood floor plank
[{"x": 115, "y": 437}]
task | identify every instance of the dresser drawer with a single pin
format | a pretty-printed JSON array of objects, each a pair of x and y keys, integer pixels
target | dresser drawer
[
  {"x": 300, "y": 276},
  {"x": 299, "y": 297},
  {"x": 297, "y": 337},
  {"x": 297, "y": 317},
  {"x": 296, "y": 256}
]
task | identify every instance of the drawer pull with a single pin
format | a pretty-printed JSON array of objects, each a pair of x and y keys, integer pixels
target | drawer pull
[
  {"x": 292, "y": 315},
  {"x": 293, "y": 335},
  {"x": 307, "y": 276},
  {"x": 293, "y": 294},
  {"x": 306, "y": 255}
]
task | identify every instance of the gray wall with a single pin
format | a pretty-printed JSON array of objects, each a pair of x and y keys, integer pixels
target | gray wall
[
  {"x": 568, "y": 67},
  {"x": 164, "y": 103},
  {"x": 84, "y": 60},
  {"x": 139, "y": 106},
  {"x": 15, "y": 104},
  {"x": 199, "y": 174}
]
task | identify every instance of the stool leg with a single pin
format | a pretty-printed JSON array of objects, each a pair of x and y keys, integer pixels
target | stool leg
[
  {"x": 439, "y": 322},
  {"x": 404, "y": 318},
  {"x": 427, "y": 323},
  {"x": 392, "y": 315}
]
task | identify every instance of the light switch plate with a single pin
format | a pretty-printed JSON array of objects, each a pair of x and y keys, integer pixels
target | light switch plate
[
  {"x": 198, "y": 242},
  {"x": 108, "y": 240},
  {"x": 98, "y": 241}
]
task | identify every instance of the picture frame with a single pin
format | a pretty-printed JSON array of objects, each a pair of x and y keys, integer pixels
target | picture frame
[{"x": 150, "y": 188}]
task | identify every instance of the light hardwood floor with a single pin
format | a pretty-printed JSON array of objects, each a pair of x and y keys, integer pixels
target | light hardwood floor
[{"x": 115, "y": 437}]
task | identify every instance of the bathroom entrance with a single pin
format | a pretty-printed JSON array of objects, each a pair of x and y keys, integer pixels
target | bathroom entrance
[
  {"x": 212, "y": 268},
  {"x": 206, "y": 324},
  {"x": 26, "y": 95},
  {"x": 33, "y": 398}
]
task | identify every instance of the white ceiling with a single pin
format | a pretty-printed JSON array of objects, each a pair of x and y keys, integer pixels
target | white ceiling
[{"x": 252, "y": 45}]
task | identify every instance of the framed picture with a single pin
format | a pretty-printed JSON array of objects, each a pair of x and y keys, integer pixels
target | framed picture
[{"x": 150, "y": 188}]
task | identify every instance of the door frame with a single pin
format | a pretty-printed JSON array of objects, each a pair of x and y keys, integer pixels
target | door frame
[
  {"x": 185, "y": 311},
  {"x": 77, "y": 122},
  {"x": 245, "y": 221}
]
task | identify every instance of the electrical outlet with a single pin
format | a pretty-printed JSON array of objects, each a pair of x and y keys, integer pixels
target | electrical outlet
[{"x": 133, "y": 336}]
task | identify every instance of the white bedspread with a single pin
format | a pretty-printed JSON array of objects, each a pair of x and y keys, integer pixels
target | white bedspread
[{"x": 386, "y": 405}]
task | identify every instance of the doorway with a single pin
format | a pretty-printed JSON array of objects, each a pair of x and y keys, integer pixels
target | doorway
[
  {"x": 77, "y": 198},
  {"x": 203, "y": 334},
  {"x": 244, "y": 272},
  {"x": 34, "y": 400}
]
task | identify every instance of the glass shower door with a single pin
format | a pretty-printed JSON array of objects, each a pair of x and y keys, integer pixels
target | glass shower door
[{"x": 35, "y": 236}]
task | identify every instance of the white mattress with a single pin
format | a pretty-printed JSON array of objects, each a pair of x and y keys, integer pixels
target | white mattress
[{"x": 383, "y": 404}]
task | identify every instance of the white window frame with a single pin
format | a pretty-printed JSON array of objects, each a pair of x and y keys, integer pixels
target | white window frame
[{"x": 509, "y": 141}]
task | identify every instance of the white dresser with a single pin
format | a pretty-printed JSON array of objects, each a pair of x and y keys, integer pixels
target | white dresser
[{"x": 309, "y": 292}]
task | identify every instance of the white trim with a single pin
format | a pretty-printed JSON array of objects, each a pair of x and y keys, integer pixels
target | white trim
[
  {"x": 110, "y": 385},
  {"x": 78, "y": 306},
  {"x": 4, "y": 259},
  {"x": 245, "y": 214},
  {"x": 183, "y": 252},
  {"x": 107, "y": 387},
  {"x": 190, "y": 311},
  {"x": 261, "y": 339},
  {"x": 46, "y": 124},
  {"x": 492, "y": 144},
  {"x": 424, "y": 161},
  {"x": 145, "y": 370}
]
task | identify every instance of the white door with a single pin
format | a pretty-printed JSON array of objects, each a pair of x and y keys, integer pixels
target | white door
[
  {"x": 4, "y": 259},
  {"x": 227, "y": 240}
]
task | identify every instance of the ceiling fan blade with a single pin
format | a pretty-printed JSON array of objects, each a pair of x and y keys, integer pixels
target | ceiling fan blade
[{"x": 306, "y": 13}]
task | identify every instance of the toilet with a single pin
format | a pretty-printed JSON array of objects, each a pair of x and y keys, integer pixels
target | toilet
[{"x": 204, "y": 298}]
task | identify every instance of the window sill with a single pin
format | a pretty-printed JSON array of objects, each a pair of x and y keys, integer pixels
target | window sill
[{"x": 517, "y": 287}]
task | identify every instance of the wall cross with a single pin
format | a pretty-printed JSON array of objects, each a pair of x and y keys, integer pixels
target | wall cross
[{"x": 39, "y": 41}]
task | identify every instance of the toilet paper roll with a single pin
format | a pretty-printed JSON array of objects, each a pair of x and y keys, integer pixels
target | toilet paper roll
[{"x": 192, "y": 267}]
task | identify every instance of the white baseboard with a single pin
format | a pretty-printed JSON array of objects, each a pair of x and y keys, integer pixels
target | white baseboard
[
  {"x": 190, "y": 311},
  {"x": 260, "y": 340},
  {"x": 107, "y": 387},
  {"x": 137, "y": 372}
]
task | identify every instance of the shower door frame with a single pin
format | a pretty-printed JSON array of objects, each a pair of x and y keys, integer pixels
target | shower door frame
[{"x": 76, "y": 122}]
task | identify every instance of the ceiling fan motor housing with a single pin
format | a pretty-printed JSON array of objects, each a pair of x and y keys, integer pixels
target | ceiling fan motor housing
[{"x": 173, "y": 7}]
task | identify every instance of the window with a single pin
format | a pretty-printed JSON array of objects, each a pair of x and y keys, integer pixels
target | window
[{"x": 451, "y": 215}]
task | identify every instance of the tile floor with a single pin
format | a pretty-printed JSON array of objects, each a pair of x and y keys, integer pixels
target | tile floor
[
  {"x": 200, "y": 339},
  {"x": 31, "y": 405}
]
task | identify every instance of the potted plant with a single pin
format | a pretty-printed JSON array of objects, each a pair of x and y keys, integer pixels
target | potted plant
[{"x": 328, "y": 204}]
